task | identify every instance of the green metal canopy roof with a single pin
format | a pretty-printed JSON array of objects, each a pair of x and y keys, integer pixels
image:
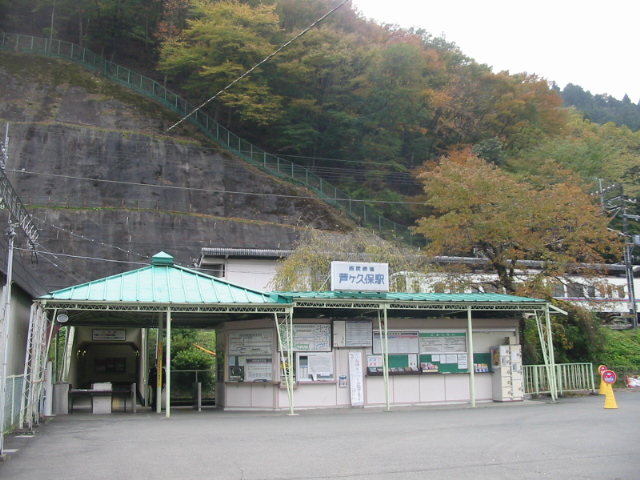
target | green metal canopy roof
[
  {"x": 412, "y": 304},
  {"x": 416, "y": 297},
  {"x": 162, "y": 282}
]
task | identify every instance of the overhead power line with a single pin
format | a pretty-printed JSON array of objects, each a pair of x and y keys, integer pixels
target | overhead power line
[{"x": 264, "y": 60}]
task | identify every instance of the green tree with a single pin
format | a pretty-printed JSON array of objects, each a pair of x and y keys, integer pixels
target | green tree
[{"x": 221, "y": 42}]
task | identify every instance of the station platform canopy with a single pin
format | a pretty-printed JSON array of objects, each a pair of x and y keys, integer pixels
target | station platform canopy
[{"x": 136, "y": 298}]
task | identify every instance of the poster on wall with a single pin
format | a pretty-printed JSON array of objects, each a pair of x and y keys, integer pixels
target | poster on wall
[{"x": 251, "y": 342}]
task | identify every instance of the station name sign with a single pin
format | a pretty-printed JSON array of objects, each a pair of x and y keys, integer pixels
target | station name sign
[{"x": 359, "y": 277}]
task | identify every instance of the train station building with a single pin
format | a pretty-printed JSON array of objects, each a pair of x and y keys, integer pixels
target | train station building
[{"x": 353, "y": 346}]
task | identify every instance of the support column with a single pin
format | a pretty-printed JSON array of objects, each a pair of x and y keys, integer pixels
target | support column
[
  {"x": 167, "y": 357},
  {"x": 546, "y": 345},
  {"x": 285, "y": 345},
  {"x": 470, "y": 364},
  {"x": 159, "y": 353},
  {"x": 384, "y": 348},
  {"x": 552, "y": 357}
]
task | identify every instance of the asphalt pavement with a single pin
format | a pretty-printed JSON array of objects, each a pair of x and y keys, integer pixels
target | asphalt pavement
[{"x": 575, "y": 438}]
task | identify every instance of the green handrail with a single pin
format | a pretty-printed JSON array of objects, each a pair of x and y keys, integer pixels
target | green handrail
[{"x": 224, "y": 137}]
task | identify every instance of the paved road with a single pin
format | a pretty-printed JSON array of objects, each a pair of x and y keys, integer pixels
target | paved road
[{"x": 576, "y": 438}]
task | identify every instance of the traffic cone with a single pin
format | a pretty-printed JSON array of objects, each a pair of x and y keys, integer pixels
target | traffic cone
[
  {"x": 610, "y": 399},
  {"x": 603, "y": 387}
]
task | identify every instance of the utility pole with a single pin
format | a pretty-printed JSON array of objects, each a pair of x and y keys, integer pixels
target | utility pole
[{"x": 19, "y": 217}]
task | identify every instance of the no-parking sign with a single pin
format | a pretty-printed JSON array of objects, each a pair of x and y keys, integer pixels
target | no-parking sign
[{"x": 609, "y": 376}]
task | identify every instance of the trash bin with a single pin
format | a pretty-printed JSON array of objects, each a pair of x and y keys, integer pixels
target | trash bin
[{"x": 60, "y": 398}]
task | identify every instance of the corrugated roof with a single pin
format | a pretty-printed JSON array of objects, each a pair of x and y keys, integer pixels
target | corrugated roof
[
  {"x": 417, "y": 297},
  {"x": 162, "y": 282}
]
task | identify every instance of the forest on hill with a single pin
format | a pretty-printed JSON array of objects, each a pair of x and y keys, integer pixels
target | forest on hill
[{"x": 364, "y": 105}]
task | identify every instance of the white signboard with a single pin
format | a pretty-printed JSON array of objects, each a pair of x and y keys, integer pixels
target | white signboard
[
  {"x": 251, "y": 342},
  {"x": 355, "y": 377},
  {"x": 109, "y": 335},
  {"x": 359, "y": 277}
]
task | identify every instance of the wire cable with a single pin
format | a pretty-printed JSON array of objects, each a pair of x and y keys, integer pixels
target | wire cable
[{"x": 264, "y": 60}]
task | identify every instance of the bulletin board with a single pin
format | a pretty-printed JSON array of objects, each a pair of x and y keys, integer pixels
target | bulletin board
[
  {"x": 444, "y": 363},
  {"x": 398, "y": 364}
]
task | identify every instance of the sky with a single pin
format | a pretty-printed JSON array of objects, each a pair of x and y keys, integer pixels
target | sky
[{"x": 594, "y": 44}]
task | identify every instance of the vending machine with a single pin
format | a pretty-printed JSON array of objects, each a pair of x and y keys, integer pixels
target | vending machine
[{"x": 506, "y": 365}]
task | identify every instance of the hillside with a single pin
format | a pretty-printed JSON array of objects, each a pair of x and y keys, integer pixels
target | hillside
[{"x": 105, "y": 186}]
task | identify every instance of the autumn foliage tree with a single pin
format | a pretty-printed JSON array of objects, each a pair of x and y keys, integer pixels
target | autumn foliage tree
[{"x": 479, "y": 209}]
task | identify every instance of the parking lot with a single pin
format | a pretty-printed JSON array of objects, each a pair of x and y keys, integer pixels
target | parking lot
[{"x": 575, "y": 438}]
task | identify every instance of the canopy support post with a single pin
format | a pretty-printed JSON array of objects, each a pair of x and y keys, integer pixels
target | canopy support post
[
  {"x": 384, "y": 348},
  {"x": 167, "y": 357},
  {"x": 284, "y": 330},
  {"x": 470, "y": 364}
]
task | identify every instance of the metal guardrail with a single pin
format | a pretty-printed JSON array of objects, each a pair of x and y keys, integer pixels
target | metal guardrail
[
  {"x": 571, "y": 377},
  {"x": 269, "y": 163}
]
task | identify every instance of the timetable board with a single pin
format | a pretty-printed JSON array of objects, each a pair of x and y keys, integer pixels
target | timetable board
[{"x": 358, "y": 333}]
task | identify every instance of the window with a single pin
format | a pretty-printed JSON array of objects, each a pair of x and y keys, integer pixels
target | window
[
  {"x": 216, "y": 270},
  {"x": 575, "y": 290},
  {"x": 558, "y": 290}
]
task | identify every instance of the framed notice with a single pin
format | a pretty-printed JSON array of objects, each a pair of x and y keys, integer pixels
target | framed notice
[
  {"x": 258, "y": 369},
  {"x": 358, "y": 333},
  {"x": 314, "y": 367},
  {"x": 311, "y": 337},
  {"x": 399, "y": 341},
  {"x": 251, "y": 342},
  {"x": 443, "y": 342}
]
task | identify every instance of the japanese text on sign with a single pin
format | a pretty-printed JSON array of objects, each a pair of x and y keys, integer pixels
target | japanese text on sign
[{"x": 360, "y": 276}]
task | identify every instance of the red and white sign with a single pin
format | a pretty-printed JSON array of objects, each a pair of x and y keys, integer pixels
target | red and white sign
[{"x": 609, "y": 376}]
